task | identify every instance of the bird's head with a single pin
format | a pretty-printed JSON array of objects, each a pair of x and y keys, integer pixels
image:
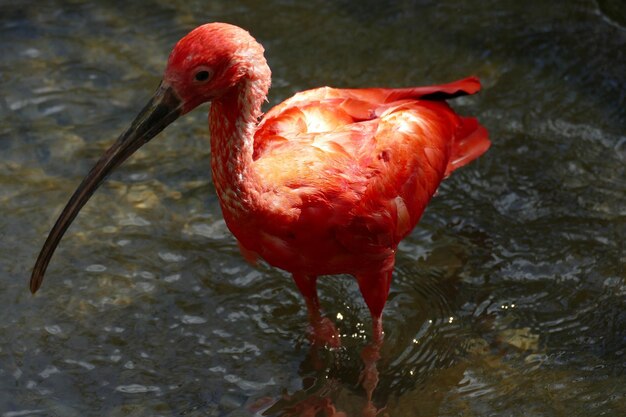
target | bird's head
[
  {"x": 207, "y": 64},
  {"x": 210, "y": 61}
]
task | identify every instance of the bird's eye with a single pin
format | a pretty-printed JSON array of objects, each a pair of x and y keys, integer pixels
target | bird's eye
[{"x": 202, "y": 75}]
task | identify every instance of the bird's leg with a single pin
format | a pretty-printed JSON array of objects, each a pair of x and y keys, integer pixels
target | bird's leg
[
  {"x": 375, "y": 289},
  {"x": 308, "y": 288},
  {"x": 323, "y": 331}
]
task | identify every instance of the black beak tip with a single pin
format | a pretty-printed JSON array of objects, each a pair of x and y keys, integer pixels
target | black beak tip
[{"x": 35, "y": 282}]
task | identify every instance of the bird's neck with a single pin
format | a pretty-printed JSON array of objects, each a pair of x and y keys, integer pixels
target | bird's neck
[{"x": 233, "y": 120}]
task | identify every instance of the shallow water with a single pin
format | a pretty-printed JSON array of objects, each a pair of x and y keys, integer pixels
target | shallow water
[{"x": 508, "y": 299}]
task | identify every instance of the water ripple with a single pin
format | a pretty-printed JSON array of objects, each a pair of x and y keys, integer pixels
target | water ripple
[{"x": 507, "y": 299}]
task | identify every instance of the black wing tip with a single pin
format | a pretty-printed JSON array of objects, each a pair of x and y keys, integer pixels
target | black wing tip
[{"x": 441, "y": 95}]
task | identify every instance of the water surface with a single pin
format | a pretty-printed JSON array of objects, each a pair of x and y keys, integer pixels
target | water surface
[{"x": 508, "y": 299}]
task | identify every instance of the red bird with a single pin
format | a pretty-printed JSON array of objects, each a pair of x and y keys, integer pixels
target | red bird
[{"x": 327, "y": 182}]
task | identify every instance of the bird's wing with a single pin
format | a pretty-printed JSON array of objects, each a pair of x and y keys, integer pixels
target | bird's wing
[
  {"x": 324, "y": 109},
  {"x": 363, "y": 163}
]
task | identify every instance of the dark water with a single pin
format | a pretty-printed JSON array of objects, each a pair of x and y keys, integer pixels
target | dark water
[{"x": 508, "y": 300}]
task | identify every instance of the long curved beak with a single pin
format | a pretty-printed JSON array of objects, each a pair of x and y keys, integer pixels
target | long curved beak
[{"x": 163, "y": 108}]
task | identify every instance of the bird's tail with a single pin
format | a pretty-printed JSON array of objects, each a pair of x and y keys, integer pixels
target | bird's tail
[{"x": 472, "y": 140}]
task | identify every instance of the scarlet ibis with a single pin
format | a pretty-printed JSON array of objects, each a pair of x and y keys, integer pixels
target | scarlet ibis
[{"x": 327, "y": 182}]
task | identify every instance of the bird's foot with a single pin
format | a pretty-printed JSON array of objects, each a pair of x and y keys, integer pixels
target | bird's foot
[
  {"x": 369, "y": 376},
  {"x": 324, "y": 333}
]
